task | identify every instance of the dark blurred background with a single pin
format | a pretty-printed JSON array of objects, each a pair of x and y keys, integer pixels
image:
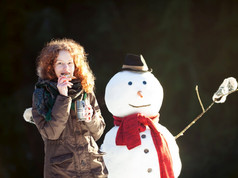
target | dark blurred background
[{"x": 187, "y": 43}]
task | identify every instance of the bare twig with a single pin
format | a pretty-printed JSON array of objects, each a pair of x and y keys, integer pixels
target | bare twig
[
  {"x": 194, "y": 121},
  {"x": 200, "y": 115},
  {"x": 199, "y": 99}
]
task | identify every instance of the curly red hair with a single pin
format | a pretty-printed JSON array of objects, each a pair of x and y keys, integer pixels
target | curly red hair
[{"x": 49, "y": 54}]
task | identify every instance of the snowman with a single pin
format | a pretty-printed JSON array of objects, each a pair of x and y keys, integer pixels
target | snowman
[{"x": 138, "y": 146}]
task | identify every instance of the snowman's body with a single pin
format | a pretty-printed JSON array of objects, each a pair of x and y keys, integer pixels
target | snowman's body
[
  {"x": 128, "y": 93},
  {"x": 140, "y": 162}
]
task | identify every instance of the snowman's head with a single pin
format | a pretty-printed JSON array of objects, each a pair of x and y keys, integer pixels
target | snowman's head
[{"x": 130, "y": 92}]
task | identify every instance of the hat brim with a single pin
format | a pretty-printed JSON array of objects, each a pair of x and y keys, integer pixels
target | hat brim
[{"x": 136, "y": 70}]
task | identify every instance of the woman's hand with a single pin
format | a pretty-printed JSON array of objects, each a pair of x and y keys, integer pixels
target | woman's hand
[{"x": 63, "y": 84}]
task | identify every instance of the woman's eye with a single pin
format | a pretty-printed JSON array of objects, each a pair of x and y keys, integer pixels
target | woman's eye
[
  {"x": 130, "y": 83},
  {"x": 144, "y": 82}
]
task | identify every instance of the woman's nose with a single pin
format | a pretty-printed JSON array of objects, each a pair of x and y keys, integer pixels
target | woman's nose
[
  {"x": 66, "y": 66},
  {"x": 139, "y": 93}
]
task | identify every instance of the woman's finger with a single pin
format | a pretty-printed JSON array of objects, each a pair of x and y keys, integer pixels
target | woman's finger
[{"x": 63, "y": 79}]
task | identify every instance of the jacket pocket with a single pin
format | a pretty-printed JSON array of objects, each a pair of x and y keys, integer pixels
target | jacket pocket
[{"x": 62, "y": 161}]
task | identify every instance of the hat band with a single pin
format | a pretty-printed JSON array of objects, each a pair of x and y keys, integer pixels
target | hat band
[{"x": 142, "y": 68}]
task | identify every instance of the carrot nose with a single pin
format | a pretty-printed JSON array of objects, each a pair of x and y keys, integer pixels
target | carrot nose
[{"x": 139, "y": 93}]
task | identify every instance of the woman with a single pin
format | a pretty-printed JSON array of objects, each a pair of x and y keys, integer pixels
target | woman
[{"x": 65, "y": 79}]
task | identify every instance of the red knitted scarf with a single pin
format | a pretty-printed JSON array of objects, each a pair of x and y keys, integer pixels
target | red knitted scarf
[{"x": 129, "y": 134}]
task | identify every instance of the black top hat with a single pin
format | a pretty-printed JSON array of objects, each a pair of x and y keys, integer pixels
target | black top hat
[{"x": 135, "y": 63}]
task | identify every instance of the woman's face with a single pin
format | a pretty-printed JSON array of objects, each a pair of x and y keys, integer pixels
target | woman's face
[{"x": 64, "y": 64}]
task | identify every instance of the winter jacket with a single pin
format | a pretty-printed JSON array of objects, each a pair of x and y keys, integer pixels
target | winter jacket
[{"x": 70, "y": 147}]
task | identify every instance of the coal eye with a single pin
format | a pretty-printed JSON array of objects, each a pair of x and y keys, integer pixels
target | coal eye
[
  {"x": 144, "y": 82},
  {"x": 130, "y": 83}
]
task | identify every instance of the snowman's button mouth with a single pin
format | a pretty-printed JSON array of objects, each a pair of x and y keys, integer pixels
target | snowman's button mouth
[{"x": 141, "y": 106}]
